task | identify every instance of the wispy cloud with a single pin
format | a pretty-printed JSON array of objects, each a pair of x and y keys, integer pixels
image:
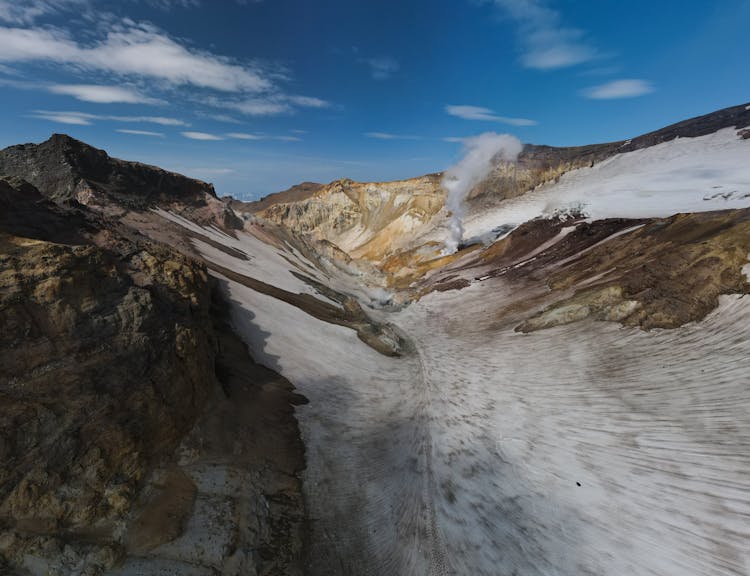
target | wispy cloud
[
  {"x": 468, "y": 112},
  {"x": 202, "y": 136},
  {"x": 547, "y": 43},
  {"x": 94, "y": 93},
  {"x": 244, "y": 136},
  {"x": 382, "y": 68},
  {"x": 260, "y": 136},
  {"x": 308, "y": 102},
  {"x": 85, "y": 119},
  {"x": 132, "y": 55},
  {"x": 102, "y": 94},
  {"x": 64, "y": 118},
  {"x": 389, "y": 136},
  {"x": 140, "y": 132},
  {"x": 625, "y": 88},
  {"x": 267, "y": 104},
  {"x": 27, "y": 11},
  {"x": 131, "y": 49},
  {"x": 254, "y": 106},
  {"x": 226, "y": 118},
  {"x": 167, "y": 5}
]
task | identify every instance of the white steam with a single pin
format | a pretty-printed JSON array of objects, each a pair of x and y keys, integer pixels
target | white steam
[{"x": 470, "y": 171}]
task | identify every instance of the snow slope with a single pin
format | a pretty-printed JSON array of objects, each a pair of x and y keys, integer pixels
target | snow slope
[
  {"x": 684, "y": 175},
  {"x": 589, "y": 448},
  {"x": 585, "y": 449}
]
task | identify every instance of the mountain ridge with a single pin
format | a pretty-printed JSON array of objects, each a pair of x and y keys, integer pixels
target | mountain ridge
[{"x": 66, "y": 169}]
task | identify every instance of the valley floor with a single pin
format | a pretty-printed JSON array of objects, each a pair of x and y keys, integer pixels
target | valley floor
[{"x": 588, "y": 448}]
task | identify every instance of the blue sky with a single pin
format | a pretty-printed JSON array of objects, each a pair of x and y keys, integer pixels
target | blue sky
[{"x": 257, "y": 95}]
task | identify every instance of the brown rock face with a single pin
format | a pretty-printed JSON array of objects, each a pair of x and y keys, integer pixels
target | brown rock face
[
  {"x": 125, "y": 395},
  {"x": 106, "y": 359},
  {"x": 365, "y": 220},
  {"x": 672, "y": 270},
  {"x": 658, "y": 273}
]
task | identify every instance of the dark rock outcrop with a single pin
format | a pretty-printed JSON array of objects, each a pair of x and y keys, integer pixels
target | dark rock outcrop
[{"x": 63, "y": 168}]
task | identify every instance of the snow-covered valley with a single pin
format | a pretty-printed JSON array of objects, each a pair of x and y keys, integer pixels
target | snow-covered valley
[{"x": 589, "y": 448}]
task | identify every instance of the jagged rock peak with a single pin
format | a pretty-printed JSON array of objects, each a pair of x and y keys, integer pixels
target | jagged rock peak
[{"x": 63, "y": 168}]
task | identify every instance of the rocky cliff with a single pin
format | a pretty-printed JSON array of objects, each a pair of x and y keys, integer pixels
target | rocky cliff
[
  {"x": 106, "y": 358},
  {"x": 366, "y": 220},
  {"x": 115, "y": 358}
]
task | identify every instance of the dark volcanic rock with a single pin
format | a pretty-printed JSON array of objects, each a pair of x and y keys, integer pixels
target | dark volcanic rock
[
  {"x": 25, "y": 212},
  {"x": 63, "y": 168}
]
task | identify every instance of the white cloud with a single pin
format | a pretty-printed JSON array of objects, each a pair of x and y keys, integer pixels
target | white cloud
[
  {"x": 478, "y": 113},
  {"x": 382, "y": 68},
  {"x": 102, "y": 94},
  {"x": 547, "y": 44},
  {"x": 134, "y": 50},
  {"x": 257, "y": 106},
  {"x": 137, "y": 54},
  {"x": 148, "y": 119},
  {"x": 245, "y": 136},
  {"x": 26, "y": 11},
  {"x": 64, "y": 118},
  {"x": 261, "y": 136},
  {"x": 85, "y": 119},
  {"x": 140, "y": 132},
  {"x": 625, "y": 88},
  {"x": 389, "y": 136},
  {"x": 452, "y": 139},
  {"x": 201, "y": 136},
  {"x": 308, "y": 102},
  {"x": 267, "y": 105},
  {"x": 226, "y": 118}
]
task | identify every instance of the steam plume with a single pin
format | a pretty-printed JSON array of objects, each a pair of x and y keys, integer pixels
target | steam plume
[{"x": 472, "y": 169}]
